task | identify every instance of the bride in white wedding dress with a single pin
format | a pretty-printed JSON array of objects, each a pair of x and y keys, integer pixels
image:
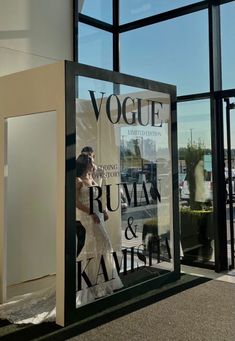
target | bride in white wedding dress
[
  {"x": 40, "y": 306},
  {"x": 96, "y": 256}
]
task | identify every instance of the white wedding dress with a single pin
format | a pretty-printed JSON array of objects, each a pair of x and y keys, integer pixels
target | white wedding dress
[
  {"x": 40, "y": 306},
  {"x": 97, "y": 246}
]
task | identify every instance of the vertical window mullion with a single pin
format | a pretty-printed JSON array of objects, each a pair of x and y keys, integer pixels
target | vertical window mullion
[
  {"x": 217, "y": 136},
  {"x": 116, "y": 54},
  {"x": 75, "y": 30}
]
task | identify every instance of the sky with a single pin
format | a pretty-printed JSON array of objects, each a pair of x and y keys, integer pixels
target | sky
[{"x": 175, "y": 52}]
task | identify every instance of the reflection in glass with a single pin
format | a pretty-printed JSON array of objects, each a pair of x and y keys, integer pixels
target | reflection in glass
[
  {"x": 137, "y": 9},
  {"x": 124, "y": 192},
  {"x": 228, "y": 48},
  {"x": 95, "y": 47},
  {"x": 195, "y": 181},
  {"x": 98, "y": 9},
  {"x": 174, "y": 52}
]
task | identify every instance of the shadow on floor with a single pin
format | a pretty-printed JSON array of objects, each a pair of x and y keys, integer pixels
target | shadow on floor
[{"x": 50, "y": 331}]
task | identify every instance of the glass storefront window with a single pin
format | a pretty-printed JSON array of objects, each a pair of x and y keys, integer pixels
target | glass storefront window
[
  {"x": 98, "y": 9},
  {"x": 228, "y": 48},
  {"x": 95, "y": 47},
  {"x": 137, "y": 9},
  {"x": 195, "y": 181},
  {"x": 123, "y": 187},
  {"x": 175, "y": 52}
]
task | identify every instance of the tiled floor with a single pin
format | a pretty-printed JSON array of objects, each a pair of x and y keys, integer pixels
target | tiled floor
[{"x": 228, "y": 276}]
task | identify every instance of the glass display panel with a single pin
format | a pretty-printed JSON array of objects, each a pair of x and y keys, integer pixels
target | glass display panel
[
  {"x": 95, "y": 47},
  {"x": 228, "y": 48},
  {"x": 98, "y": 9},
  {"x": 123, "y": 187},
  {"x": 174, "y": 52},
  {"x": 195, "y": 181},
  {"x": 137, "y": 9}
]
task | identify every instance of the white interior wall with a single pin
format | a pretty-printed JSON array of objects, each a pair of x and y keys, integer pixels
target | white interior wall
[
  {"x": 34, "y": 33},
  {"x": 38, "y": 90},
  {"x": 31, "y": 196}
]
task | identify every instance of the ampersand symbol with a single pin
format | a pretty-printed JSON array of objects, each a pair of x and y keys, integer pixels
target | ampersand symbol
[{"x": 131, "y": 230}]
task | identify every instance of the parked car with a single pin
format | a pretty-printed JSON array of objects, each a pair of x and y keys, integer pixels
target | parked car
[{"x": 130, "y": 174}]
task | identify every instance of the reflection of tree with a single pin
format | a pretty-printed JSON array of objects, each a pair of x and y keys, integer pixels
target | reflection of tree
[
  {"x": 128, "y": 152},
  {"x": 136, "y": 147},
  {"x": 183, "y": 151},
  {"x": 122, "y": 151},
  {"x": 149, "y": 148},
  {"x": 133, "y": 147},
  {"x": 125, "y": 150},
  {"x": 131, "y": 153}
]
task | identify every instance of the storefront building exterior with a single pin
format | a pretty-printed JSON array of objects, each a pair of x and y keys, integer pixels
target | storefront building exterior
[{"x": 187, "y": 43}]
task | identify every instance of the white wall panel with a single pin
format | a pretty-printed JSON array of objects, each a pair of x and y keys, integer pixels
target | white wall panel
[
  {"x": 31, "y": 196},
  {"x": 34, "y": 33}
]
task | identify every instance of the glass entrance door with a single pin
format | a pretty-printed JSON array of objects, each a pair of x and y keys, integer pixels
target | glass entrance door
[{"x": 229, "y": 172}]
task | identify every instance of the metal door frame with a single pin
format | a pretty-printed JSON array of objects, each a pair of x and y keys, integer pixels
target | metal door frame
[{"x": 230, "y": 106}]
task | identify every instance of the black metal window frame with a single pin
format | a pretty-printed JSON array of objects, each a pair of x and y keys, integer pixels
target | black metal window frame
[
  {"x": 116, "y": 28},
  {"x": 72, "y": 70},
  {"x": 215, "y": 94}
]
